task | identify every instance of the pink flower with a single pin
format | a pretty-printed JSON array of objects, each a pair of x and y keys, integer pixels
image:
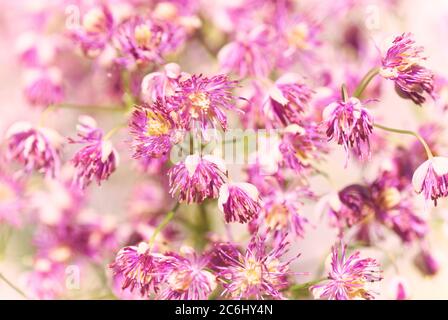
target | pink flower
[
  {"x": 431, "y": 178},
  {"x": 239, "y": 202},
  {"x": 348, "y": 277},
  {"x": 250, "y": 55},
  {"x": 402, "y": 64},
  {"x": 35, "y": 148},
  {"x": 187, "y": 277},
  {"x": 257, "y": 273},
  {"x": 98, "y": 159},
  {"x": 350, "y": 124},
  {"x": 160, "y": 84},
  {"x": 427, "y": 263},
  {"x": 197, "y": 178},
  {"x": 287, "y": 100},
  {"x": 203, "y": 100},
  {"x": 142, "y": 41},
  {"x": 139, "y": 267},
  {"x": 95, "y": 31},
  {"x": 154, "y": 130},
  {"x": 44, "y": 87}
]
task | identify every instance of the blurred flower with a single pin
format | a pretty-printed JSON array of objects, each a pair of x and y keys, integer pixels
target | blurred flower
[
  {"x": 239, "y": 202},
  {"x": 160, "y": 84},
  {"x": 44, "y": 87},
  {"x": 197, "y": 178},
  {"x": 98, "y": 159},
  {"x": 36, "y": 148},
  {"x": 431, "y": 178},
  {"x": 349, "y": 277},
  {"x": 350, "y": 124},
  {"x": 427, "y": 263},
  {"x": 47, "y": 280},
  {"x": 402, "y": 64}
]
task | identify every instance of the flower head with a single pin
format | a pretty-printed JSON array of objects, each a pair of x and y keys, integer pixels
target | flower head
[
  {"x": 154, "y": 130},
  {"x": 97, "y": 159},
  {"x": 36, "y": 148},
  {"x": 203, "y": 100},
  {"x": 197, "y": 178},
  {"x": 402, "y": 64},
  {"x": 431, "y": 178},
  {"x": 288, "y": 99},
  {"x": 187, "y": 277},
  {"x": 139, "y": 267},
  {"x": 348, "y": 277},
  {"x": 43, "y": 87},
  {"x": 239, "y": 202},
  {"x": 350, "y": 124},
  {"x": 257, "y": 273}
]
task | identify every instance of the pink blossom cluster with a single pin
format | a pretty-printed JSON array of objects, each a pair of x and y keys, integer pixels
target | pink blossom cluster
[{"x": 144, "y": 99}]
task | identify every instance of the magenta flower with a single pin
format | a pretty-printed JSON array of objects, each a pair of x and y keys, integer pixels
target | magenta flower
[
  {"x": 250, "y": 55},
  {"x": 187, "y": 277},
  {"x": 154, "y": 130},
  {"x": 349, "y": 277},
  {"x": 427, "y": 263},
  {"x": 140, "y": 268},
  {"x": 350, "y": 124},
  {"x": 256, "y": 274},
  {"x": 301, "y": 144},
  {"x": 239, "y": 202},
  {"x": 141, "y": 41},
  {"x": 203, "y": 100},
  {"x": 431, "y": 178},
  {"x": 95, "y": 31},
  {"x": 35, "y": 148},
  {"x": 288, "y": 99},
  {"x": 44, "y": 87},
  {"x": 98, "y": 159},
  {"x": 197, "y": 178},
  {"x": 160, "y": 84},
  {"x": 47, "y": 280},
  {"x": 402, "y": 64}
]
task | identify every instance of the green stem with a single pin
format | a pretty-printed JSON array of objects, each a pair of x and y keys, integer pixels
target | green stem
[
  {"x": 409, "y": 132},
  {"x": 344, "y": 93},
  {"x": 112, "y": 131},
  {"x": 365, "y": 82},
  {"x": 163, "y": 224},
  {"x": 14, "y": 287}
]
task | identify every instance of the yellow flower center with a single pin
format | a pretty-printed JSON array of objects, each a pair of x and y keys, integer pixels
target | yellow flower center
[
  {"x": 143, "y": 35},
  {"x": 252, "y": 273},
  {"x": 199, "y": 103},
  {"x": 277, "y": 217},
  {"x": 389, "y": 198},
  {"x": 156, "y": 125},
  {"x": 94, "y": 21},
  {"x": 298, "y": 36}
]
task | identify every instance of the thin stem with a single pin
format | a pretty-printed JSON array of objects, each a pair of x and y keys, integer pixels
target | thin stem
[
  {"x": 344, "y": 93},
  {"x": 365, "y": 82},
  {"x": 13, "y": 286},
  {"x": 112, "y": 131},
  {"x": 163, "y": 224},
  {"x": 409, "y": 132}
]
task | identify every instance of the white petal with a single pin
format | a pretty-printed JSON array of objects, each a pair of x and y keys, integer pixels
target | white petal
[
  {"x": 289, "y": 78},
  {"x": 172, "y": 70},
  {"x": 276, "y": 94},
  {"x": 87, "y": 121},
  {"x": 249, "y": 188},
  {"x": 191, "y": 163},
  {"x": 223, "y": 196},
  {"x": 216, "y": 160},
  {"x": 106, "y": 150},
  {"x": 17, "y": 127},
  {"x": 329, "y": 110},
  {"x": 440, "y": 165},
  {"x": 419, "y": 175}
]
